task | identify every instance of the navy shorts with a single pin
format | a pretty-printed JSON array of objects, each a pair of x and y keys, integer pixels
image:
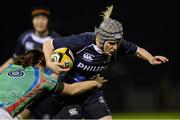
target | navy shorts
[
  {"x": 90, "y": 105},
  {"x": 43, "y": 106},
  {"x": 87, "y": 106}
]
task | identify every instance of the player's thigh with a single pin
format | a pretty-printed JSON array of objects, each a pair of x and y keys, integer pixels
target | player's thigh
[
  {"x": 25, "y": 114},
  {"x": 5, "y": 115},
  {"x": 44, "y": 107},
  {"x": 96, "y": 107},
  {"x": 73, "y": 111}
]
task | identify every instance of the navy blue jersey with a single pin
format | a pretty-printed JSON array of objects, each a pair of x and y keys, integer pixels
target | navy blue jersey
[
  {"x": 89, "y": 59},
  {"x": 29, "y": 41}
]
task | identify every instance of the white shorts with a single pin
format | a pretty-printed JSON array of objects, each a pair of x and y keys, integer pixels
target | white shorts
[{"x": 4, "y": 115}]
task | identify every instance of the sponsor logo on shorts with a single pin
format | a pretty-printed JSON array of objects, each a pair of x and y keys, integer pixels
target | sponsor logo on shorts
[
  {"x": 101, "y": 100},
  {"x": 73, "y": 111}
]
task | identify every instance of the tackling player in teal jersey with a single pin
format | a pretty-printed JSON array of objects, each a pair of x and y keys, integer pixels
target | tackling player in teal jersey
[{"x": 24, "y": 80}]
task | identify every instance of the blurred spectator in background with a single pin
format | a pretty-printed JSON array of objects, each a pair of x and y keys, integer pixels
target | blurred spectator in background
[{"x": 33, "y": 39}]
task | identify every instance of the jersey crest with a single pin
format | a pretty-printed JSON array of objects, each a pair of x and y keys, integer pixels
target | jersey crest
[{"x": 16, "y": 73}]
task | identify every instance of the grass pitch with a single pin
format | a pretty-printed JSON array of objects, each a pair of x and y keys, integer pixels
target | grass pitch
[{"x": 147, "y": 116}]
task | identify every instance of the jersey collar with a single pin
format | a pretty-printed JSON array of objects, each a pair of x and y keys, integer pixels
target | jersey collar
[
  {"x": 39, "y": 39},
  {"x": 97, "y": 49}
]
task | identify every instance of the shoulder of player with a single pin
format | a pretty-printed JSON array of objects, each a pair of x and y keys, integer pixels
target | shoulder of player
[
  {"x": 126, "y": 42},
  {"x": 88, "y": 35},
  {"x": 54, "y": 34},
  {"x": 76, "y": 41},
  {"x": 25, "y": 34}
]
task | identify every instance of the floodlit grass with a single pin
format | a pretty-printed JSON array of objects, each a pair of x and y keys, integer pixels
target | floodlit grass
[{"x": 157, "y": 115}]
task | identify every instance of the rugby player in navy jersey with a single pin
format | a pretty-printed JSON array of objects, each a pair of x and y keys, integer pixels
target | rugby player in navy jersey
[
  {"x": 93, "y": 52},
  {"x": 33, "y": 39}
]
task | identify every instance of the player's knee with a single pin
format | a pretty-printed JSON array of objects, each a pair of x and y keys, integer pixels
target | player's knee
[
  {"x": 109, "y": 117},
  {"x": 24, "y": 114}
]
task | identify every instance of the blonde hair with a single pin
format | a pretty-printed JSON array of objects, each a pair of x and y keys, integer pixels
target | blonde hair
[{"x": 106, "y": 14}]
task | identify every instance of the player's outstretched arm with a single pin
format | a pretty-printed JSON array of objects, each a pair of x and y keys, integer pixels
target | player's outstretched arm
[
  {"x": 81, "y": 87},
  {"x": 6, "y": 64},
  {"x": 154, "y": 60}
]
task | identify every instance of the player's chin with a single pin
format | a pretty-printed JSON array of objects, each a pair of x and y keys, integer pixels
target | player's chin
[
  {"x": 40, "y": 29},
  {"x": 110, "y": 53}
]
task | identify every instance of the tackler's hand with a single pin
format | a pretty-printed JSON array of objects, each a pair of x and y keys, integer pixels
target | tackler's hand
[{"x": 100, "y": 81}]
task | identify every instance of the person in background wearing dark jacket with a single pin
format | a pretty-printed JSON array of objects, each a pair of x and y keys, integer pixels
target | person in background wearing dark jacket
[{"x": 33, "y": 39}]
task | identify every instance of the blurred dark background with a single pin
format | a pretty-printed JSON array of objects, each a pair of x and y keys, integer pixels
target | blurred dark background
[{"x": 134, "y": 85}]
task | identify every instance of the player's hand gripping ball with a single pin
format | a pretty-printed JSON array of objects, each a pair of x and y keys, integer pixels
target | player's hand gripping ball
[{"x": 64, "y": 56}]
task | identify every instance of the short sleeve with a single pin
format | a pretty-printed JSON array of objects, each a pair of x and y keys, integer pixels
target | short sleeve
[
  {"x": 127, "y": 48},
  {"x": 49, "y": 82},
  {"x": 60, "y": 87},
  {"x": 54, "y": 35},
  {"x": 52, "y": 84}
]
